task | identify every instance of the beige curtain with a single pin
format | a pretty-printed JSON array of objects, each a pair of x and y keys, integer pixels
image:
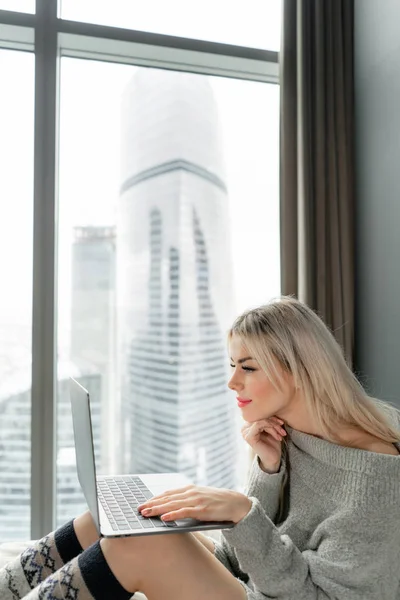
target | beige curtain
[{"x": 317, "y": 160}]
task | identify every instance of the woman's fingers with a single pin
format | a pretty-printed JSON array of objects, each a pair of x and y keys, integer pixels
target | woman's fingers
[
  {"x": 173, "y": 509},
  {"x": 203, "y": 503},
  {"x": 262, "y": 429},
  {"x": 262, "y": 423},
  {"x": 179, "y": 490},
  {"x": 268, "y": 426},
  {"x": 162, "y": 508},
  {"x": 161, "y": 501},
  {"x": 183, "y": 513},
  {"x": 279, "y": 430},
  {"x": 269, "y": 423},
  {"x": 174, "y": 492},
  {"x": 278, "y": 420},
  {"x": 166, "y": 497},
  {"x": 264, "y": 435}
]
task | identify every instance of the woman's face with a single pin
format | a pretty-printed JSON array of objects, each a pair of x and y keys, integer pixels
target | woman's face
[{"x": 256, "y": 395}]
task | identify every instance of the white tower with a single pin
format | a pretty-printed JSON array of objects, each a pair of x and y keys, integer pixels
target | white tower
[{"x": 174, "y": 283}]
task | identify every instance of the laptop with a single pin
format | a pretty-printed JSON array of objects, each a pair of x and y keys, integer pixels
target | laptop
[{"x": 113, "y": 500}]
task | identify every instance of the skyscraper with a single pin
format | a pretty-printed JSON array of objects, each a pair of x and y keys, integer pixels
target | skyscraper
[
  {"x": 174, "y": 281},
  {"x": 93, "y": 292},
  {"x": 93, "y": 323}
]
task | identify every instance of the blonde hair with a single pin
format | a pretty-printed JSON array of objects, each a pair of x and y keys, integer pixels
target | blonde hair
[{"x": 288, "y": 331}]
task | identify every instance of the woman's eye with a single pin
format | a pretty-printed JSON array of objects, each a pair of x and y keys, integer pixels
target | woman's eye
[{"x": 249, "y": 369}]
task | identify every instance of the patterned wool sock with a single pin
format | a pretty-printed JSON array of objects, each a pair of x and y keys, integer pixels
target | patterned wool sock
[
  {"x": 37, "y": 562},
  {"x": 86, "y": 577}
]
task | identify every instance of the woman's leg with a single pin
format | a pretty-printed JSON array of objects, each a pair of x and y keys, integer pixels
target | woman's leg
[
  {"x": 175, "y": 566},
  {"x": 168, "y": 550},
  {"x": 45, "y": 557},
  {"x": 170, "y": 567},
  {"x": 206, "y": 541},
  {"x": 164, "y": 567},
  {"x": 85, "y": 577}
]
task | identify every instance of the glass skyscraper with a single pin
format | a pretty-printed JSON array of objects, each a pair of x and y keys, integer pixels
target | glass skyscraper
[
  {"x": 93, "y": 329},
  {"x": 174, "y": 281}
]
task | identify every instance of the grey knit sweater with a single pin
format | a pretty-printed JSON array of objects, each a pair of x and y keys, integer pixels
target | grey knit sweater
[{"x": 339, "y": 538}]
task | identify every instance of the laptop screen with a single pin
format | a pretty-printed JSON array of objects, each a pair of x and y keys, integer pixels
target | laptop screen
[{"x": 84, "y": 449}]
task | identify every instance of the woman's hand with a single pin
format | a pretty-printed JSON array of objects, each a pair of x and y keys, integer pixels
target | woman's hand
[
  {"x": 265, "y": 438},
  {"x": 202, "y": 503}
]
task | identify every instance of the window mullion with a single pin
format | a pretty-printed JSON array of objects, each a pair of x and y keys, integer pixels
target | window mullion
[{"x": 44, "y": 271}]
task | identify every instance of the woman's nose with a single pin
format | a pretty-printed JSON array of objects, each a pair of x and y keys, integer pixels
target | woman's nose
[{"x": 234, "y": 383}]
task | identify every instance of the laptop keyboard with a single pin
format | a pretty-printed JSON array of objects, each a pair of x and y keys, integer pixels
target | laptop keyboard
[{"x": 120, "y": 497}]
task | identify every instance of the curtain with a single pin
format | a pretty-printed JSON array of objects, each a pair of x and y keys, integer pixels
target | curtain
[{"x": 317, "y": 161}]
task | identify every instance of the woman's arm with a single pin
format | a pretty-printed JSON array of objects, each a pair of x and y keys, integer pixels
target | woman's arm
[
  {"x": 266, "y": 487},
  {"x": 357, "y": 557}
]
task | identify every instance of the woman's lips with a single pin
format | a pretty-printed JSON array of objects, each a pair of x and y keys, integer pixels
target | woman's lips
[{"x": 242, "y": 402}]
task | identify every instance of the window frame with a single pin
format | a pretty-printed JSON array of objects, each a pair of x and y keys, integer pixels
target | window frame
[{"x": 50, "y": 38}]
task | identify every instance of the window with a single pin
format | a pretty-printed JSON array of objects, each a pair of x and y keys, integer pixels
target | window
[
  {"x": 168, "y": 209},
  {"x": 159, "y": 212},
  {"x": 255, "y": 23},
  {"x": 16, "y": 225},
  {"x": 27, "y": 6}
]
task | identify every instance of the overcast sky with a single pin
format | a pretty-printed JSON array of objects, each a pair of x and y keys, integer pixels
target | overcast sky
[{"x": 253, "y": 23}]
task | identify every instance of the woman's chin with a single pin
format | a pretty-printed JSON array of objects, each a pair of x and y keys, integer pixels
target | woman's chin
[{"x": 253, "y": 417}]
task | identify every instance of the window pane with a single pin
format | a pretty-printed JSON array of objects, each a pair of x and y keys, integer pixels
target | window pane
[
  {"x": 169, "y": 226},
  {"x": 255, "y": 23},
  {"x": 27, "y": 6},
  {"x": 16, "y": 226}
]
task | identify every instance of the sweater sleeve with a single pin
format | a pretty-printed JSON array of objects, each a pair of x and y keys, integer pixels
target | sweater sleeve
[
  {"x": 351, "y": 556},
  {"x": 266, "y": 487}
]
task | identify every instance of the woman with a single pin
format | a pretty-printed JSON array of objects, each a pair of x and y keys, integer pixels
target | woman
[{"x": 321, "y": 517}]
